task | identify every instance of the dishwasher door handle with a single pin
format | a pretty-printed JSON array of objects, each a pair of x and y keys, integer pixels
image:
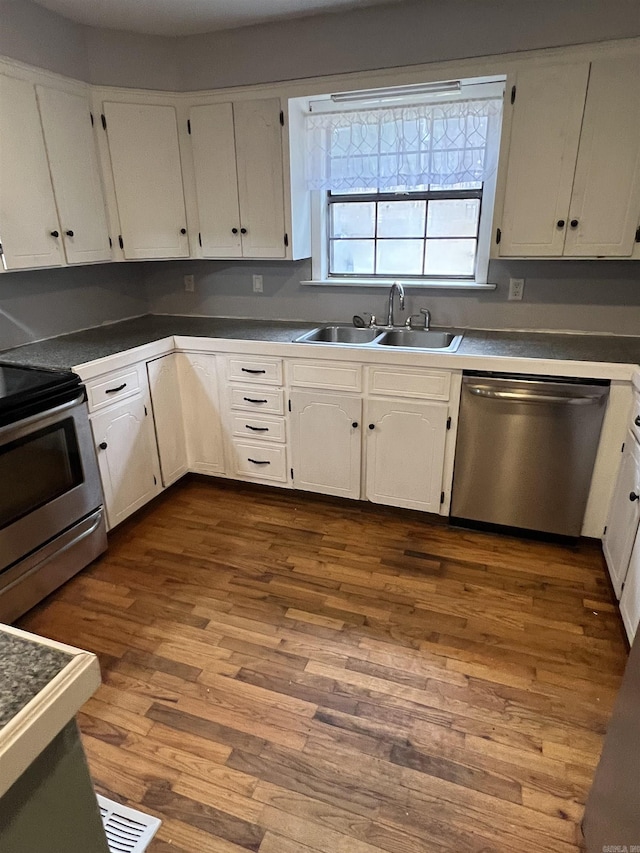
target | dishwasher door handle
[{"x": 516, "y": 397}]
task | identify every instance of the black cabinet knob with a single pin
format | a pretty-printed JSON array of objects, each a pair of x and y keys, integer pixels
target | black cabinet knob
[
  {"x": 69, "y": 233},
  {"x": 234, "y": 230},
  {"x": 183, "y": 230},
  {"x": 355, "y": 424},
  {"x": 634, "y": 497},
  {"x": 574, "y": 223},
  {"x": 560, "y": 223},
  {"x": 55, "y": 233},
  {"x": 243, "y": 230},
  {"x": 372, "y": 426},
  {"x": 637, "y": 420},
  {"x": 103, "y": 445}
]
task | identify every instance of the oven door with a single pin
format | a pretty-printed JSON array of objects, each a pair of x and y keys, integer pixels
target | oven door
[{"x": 48, "y": 478}]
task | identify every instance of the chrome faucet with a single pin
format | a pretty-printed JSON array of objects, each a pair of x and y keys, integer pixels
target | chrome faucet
[{"x": 396, "y": 287}]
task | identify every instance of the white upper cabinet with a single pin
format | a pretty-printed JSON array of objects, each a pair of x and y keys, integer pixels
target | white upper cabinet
[
  {"x": 237, "y": 157},
  {"x": 545, "y": 132},
  {"x": 605, "y": 205},
  {"x": 147, "y": 174},
  {"x": 572, "y": 185},
  {"x": 68, "y": 132},
  {"x": 29, "y": 226}
]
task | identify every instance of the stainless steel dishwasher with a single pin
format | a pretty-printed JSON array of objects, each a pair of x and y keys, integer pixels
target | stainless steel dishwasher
[{"x": 525, "y": 450}]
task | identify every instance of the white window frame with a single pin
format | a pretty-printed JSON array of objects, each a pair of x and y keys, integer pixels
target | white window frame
[{"x": 320, "y": 237}]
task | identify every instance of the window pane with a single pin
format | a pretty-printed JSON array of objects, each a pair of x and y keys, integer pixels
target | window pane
[
  {"x": 354, "y": 257},
  {"x": 453, "y": 218},
  {"x": 401, "y": 218},
  {"x": 450, "y": 257},
  {"x": 399, "y": 257},
  {"x": 353, "y": 219}
]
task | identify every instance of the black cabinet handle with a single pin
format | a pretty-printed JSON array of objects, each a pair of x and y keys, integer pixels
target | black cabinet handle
[
  {"x": 257, "y": 429},
  {"x": 55, "y": 233},
  {"x": 258, "y": 461},
  {"x": 251, "y": 400},
  {"x": 69, "y": 233},
  {"x": 248, "y": 370},
  {"x": 103, "y": 445},
  {"x": 234, "y": 230},
  {"x": 560, "y": 223},
  {"x": 243, "y": 230},
  {"x": 115, "y": 390},
  {"x": 574, "y": 223},
  {"x": 355, "y": 424},
  {"x": 637, "y": 420},
  {"x": 372, "y": 426},
  {"x": 183, "y": 230},
  {"x": 634, "y": 497}
]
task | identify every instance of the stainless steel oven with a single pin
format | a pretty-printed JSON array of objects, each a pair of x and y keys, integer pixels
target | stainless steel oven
[{"x": 51, "y": 513}]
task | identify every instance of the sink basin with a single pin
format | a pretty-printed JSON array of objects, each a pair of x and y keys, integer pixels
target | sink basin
[
  {"x": 339, "y": 335},
  {"x": 419, "y": 339}
]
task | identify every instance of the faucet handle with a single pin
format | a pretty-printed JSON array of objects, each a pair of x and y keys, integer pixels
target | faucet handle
[
  {"x": 360, "y": 321},
  {"x": 427, "y": 318}
]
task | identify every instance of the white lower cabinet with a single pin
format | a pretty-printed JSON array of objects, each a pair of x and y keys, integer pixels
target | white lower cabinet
[
  {"x": 164, "y": 385},
  {"x": 405, "y": 452},
  {"x": 630, "y": 599},
  {"x": 624, "y": 515},
  {"x": 326, "y": 443},
  {"x": 201, "y": 412},
  {"x": 127, "y": 456}
]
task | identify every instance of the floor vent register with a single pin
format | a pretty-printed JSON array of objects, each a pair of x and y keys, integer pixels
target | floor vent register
[{"x": 128, "y": 830}]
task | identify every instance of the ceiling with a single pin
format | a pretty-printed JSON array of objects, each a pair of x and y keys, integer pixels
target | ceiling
[{"x": 187, "y": 17}]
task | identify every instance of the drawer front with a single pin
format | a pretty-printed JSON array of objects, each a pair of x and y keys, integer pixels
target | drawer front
[
  {"x": 252, "y": 399},
  {"x": 337, "y": 376},
  {"x": 263, "y": 428},
  {"x": 405, "y": 382},
  {"x": 109, "y": 389},
  {"x": 255, "y": 370},
  {"x": 260, "y": 461}
]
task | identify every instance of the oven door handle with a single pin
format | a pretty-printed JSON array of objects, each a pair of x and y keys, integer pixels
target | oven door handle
[{"x": 47, "y": 413}]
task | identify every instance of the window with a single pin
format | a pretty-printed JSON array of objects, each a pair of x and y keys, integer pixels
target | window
[{"x": 404, "y": 191}]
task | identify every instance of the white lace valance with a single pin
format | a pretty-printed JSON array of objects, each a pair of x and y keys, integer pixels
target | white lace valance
[{"x": 392, "y": 148}]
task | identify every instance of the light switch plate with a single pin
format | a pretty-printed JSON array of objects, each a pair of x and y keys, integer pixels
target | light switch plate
[
  {"x": 189, "y": 283},
  {"x": 257, "y": 284}
]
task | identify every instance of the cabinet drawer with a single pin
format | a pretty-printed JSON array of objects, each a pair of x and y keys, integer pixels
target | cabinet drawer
[
  {"x": 115, "y": 386},
  {"x": 337, "y": 376},
  {"x": 266, "y": 429},
  {"x": 267, "y": 370},
  {"x": 251, "y": 399},
  {"x": 405, "y": 382},
  {"x": 260, "y": 461}
]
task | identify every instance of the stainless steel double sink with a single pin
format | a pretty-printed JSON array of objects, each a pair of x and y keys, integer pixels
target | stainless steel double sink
[{"x": 402, "y": 337}]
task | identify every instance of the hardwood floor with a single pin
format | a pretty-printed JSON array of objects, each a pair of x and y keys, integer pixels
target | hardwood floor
[{"x": 290, "y": 674}]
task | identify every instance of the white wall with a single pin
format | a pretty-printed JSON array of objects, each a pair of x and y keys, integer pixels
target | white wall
[{"x": 594, "y": 296}]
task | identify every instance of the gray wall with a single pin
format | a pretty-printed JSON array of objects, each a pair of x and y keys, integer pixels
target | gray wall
[
  {"x": 44, "y": 303},
  {"x": 132, "y": 60},
  {"x": 573, "y": 295}
]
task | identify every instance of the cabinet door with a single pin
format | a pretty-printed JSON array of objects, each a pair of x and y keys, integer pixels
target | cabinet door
[
  {"x": 630, "y": 598},
  {"x": 127, "y": 457},
  {"x": 201, "y": 412},
  {"x": 326, "y": 443},
  {"x": 68, "y": 133},
  {"x": 606, "y": 191},
  {"x": 405, "y": 453},
  {"x": 545, "y": 131},
  {"x": 28, "y": 216},
  {"x": 214, "y": 163},
  {"x": 260, "y": 177},
  {"x": 145, "y": 158},
  {"x": 624, "y": 514},
  {"x": 164, "y": 383}
]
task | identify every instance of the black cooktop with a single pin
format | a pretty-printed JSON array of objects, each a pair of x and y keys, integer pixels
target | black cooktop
[{"x": 26, "y": 391}]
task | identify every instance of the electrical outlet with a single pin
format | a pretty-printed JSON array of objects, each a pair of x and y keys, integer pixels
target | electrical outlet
[
  {"x": 516, "y": 289},
  {"x": 189, "y": 283},
  {"x": 257, "y": 284}
]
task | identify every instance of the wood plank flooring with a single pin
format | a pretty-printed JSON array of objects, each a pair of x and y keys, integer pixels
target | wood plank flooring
[{"x": 285, "y": 673}]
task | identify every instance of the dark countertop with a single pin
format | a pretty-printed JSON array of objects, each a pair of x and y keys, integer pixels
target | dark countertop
[
  {"x": 80, "y": 347},
  {"x": 27, "y": 667}
]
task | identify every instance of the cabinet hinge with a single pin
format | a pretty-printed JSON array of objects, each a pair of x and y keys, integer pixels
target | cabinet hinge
[
  {"x": 449, "y": 422},
  {"x": 289, "y": 405},
  {"x": 189, "y": 126},
  {"x": 91, "y": 117},
  {"x": 622, "y": 448},
  {"x": 155, "y": 482},
  {"x": 200, "y": 238},
  {"x": 286, "y": 239},
  {"x": 282, "y": 118},
  {"x": 110, "y": 243},
  {"x": 441, "y": 497},
  {"x": 120, "y": 241},
  {"x": 145, "y": 411},
  {"x": 605, "y": 530},
  {"x": 1, "y": 252},
  {"x": 292, "y": 473},
  {"x": 638, "y": 234},
  {"x": 498, "y": 235},
  {"x": 513, "y": 94},
  {"x": 104, "y": 121}
]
